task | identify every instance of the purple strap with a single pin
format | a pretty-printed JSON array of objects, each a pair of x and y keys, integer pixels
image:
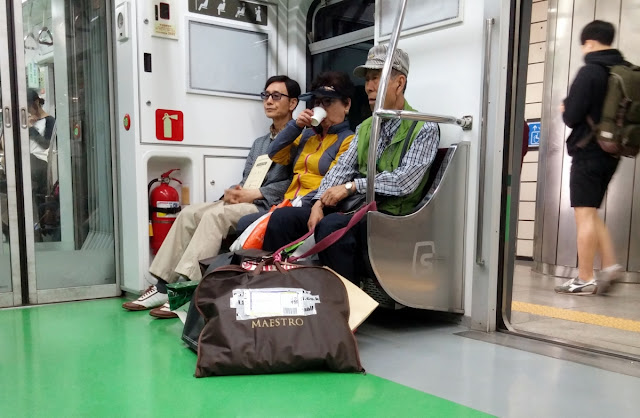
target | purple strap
[{"x": 332, "y": 237}]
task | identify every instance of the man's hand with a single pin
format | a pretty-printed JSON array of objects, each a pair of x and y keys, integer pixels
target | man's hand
[
  {"x": 333, "y": 195},
  {"x": 316, "y": 215},
  {"x": 237, "y": 194},
  {"x": 304, "y": 118},
  {"x": 562, "y": 108}
]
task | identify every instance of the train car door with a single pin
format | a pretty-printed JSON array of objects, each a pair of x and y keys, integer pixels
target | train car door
[{"x": 56, "y": 177}]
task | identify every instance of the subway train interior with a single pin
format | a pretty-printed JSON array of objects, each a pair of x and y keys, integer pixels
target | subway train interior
[{"x": 468, "y": 322}]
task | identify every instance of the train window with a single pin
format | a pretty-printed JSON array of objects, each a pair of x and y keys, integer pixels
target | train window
[
  {"x": 341, "y": 35},
  {"x": 245, "y": 54},
  {"x": 341, "y": 17},
  {"x": 419, "y": 16}
]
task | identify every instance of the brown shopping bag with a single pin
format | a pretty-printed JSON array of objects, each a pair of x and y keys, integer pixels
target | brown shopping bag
[{"x": 274, "y": 322}]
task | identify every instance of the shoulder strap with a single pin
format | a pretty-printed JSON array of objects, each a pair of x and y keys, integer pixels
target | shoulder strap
[
  {"x": 407, "y": 139},
  {"x": 329, "y": 239}
]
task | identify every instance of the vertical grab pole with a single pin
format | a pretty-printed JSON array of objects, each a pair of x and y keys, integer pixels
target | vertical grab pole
[
  {"x": 382, "y": 92},
  {"x": 483, "y": 139}
]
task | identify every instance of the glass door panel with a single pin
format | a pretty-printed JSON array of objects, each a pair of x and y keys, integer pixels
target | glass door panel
[
  {"x": 5, "y": 241},
  {"x": 62, "y": 74},
  {"x": 7, "y": 178},
  {"x": 67, "y": 72}
]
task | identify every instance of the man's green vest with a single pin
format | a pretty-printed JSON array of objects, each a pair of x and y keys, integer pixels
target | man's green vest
[{"x": 389, "y": 161}]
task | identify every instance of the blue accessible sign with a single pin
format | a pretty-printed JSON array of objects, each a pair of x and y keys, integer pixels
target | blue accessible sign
[{"x": 534, "y": 134}]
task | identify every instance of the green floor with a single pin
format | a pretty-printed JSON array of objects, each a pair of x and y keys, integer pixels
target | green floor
[{"x": 93, "y": 359}]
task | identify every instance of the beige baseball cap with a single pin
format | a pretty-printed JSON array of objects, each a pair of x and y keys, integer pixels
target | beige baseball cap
[{"x": 376, "y": 57}]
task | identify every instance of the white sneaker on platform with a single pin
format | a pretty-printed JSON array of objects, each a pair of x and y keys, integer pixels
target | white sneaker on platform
[
  {"x": 577, "y": 287},
  {"x": 606, "y": 277},
  {"x": 151, "y": 298}
]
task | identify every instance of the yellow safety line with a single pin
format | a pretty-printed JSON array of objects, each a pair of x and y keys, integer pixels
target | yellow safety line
[{"x": 576, "y": 316}]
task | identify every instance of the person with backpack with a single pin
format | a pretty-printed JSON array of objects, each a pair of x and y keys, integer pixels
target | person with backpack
[{"x": 592, "y": 167}]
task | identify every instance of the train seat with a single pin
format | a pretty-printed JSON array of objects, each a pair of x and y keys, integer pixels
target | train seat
[{"x": 424, "y": 266}]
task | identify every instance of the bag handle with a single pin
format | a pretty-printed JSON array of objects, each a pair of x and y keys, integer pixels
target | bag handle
[{"x": 329, "y": 239}]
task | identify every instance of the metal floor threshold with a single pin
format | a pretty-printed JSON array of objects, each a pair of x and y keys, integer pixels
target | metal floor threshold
[{"x": 602, "y": 360}]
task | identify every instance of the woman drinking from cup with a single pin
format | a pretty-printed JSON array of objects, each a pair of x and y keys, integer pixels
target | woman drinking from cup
[{"x": 315, "y": 140}]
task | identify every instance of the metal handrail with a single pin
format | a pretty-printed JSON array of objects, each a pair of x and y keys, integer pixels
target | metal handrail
[
  {"x": 379, "y": 113},
  {"x": 483, "y": 140},
  {"x": 465, "y": 122}
]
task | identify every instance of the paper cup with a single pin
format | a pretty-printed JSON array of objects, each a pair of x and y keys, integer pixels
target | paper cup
[{"x": 318, "y": 116}]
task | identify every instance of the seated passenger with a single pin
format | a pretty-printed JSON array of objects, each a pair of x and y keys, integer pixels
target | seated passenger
[
  {"x": 198, "y": 230},
  {"x": 399, "y": 181},
  {"x": 313, "y": 151}
]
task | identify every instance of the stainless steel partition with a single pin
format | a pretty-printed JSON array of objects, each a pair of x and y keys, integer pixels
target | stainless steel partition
[
  {"x": 418, "y": 259},
  {"x": 555, "y": 249}
]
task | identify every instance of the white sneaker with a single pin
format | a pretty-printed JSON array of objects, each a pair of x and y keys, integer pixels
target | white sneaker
[
  {"x": 151, "y": 298},
  {"x": 577, "y": 287},
  {"x": 606, "y": 277}
]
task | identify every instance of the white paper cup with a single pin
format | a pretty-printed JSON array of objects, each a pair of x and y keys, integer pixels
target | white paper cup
[{"x": 318, "y": 116}]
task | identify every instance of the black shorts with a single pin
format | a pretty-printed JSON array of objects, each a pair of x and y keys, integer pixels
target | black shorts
[{"x": 589, "y": 180}]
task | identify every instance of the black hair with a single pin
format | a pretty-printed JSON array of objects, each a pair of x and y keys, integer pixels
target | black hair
[
  {"x": 293, "y": 88},
  {"x": 600, "y": 31},
  {"x": 339, "y": 80},
  {"x": 33, "y": 97}
]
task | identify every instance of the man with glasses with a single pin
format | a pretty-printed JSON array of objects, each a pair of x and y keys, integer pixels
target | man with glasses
[{"x": 199, "y": 229}]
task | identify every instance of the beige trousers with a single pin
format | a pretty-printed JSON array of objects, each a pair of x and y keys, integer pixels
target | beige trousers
[{"x": 195, "y": 235}]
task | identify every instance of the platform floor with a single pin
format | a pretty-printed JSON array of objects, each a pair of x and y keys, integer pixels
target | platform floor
[
  {"x": 610, "y": 322},
  {"x": 94, "y": 359}
]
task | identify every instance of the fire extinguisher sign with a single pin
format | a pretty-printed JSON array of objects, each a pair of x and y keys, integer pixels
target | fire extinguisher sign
[{"x": 169, "y": 125}]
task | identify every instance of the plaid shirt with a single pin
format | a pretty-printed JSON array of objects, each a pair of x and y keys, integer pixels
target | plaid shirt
[{"x": 403, "y": 180}]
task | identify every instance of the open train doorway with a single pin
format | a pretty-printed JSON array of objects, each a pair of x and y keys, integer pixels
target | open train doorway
[{"x": 540, "y": 250}]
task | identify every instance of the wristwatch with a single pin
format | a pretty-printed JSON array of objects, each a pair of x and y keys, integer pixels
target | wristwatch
[{"x": 351, "y": 187}]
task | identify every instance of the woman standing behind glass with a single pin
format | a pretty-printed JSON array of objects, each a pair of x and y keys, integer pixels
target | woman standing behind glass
[
  {"x": 41, "y": 131},
  {"x": 41, "y": 128}
]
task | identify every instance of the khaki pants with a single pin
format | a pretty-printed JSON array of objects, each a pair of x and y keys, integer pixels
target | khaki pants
[{"x": 195, "y": 235}]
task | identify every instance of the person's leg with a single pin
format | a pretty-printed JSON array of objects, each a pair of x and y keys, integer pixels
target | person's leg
[
  {"x": 286, "y": 225},
  {"x": 177, "y": 241},
  {"x": 585, "y": 197},
  {"x": 611, "y": 269},
  {"x": 247, "y": 220},
  {"x": 342, "y": 255},
  {"x": 214, "y": 226},
  {"x": 165, "y": 261},
  {"x": 587, "y": 240},
  {"x": 605, "y": 243}
]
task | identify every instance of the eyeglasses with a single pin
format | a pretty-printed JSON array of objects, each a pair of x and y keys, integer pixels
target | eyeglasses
[
  {"x": 275, "y": 96},
  {"x": 324, "y": 101}
]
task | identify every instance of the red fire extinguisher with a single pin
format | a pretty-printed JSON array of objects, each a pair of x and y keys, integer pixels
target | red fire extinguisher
[{"x": 164, "y": 205}]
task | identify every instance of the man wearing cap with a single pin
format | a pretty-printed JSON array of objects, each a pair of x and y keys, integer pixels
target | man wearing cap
[{"x": 405, "y": 151}]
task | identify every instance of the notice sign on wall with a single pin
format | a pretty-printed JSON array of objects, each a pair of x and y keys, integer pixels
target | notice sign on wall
[
  {"x": 239, "y": 10},
  {"x": 164, "y": 19},
  {"x": 534, "y": 134},
  {"x": 169, "y": 125}
]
